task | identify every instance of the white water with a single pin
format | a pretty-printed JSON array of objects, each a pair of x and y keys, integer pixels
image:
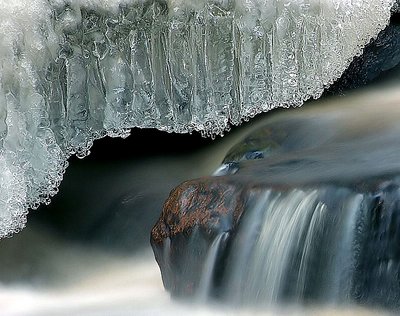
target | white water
[
  {"x": 316, "y": 221},
  {"x": 278, "y": 228},
  {"x": 130, "y": 286},
  {"x": 125, "y": 286},
  {"x": 205, "y": 285}
]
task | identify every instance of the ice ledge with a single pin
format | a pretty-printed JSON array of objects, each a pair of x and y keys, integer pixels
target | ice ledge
[{"x": 74, "y": 71}]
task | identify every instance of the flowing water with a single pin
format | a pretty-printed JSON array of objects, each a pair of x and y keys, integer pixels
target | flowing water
[
  {"x": 304, "y": 244},
  {"x": 299, "y": 246},
  {"x": 205, "y": 287}
]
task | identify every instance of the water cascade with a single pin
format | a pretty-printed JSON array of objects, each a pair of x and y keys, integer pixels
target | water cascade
[
  {"x": 303, "y": 249},
  {"x": 205, "y": 286},
  {"x": 305, "y": 220},
  {"x": 328, "y": 245}
]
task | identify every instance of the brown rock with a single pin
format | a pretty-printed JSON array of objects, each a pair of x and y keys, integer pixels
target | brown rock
[
  {"x": 195, "y": 212},
  {"x": 212, "y": 204}
]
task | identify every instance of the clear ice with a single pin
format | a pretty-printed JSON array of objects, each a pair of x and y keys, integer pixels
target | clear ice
[{"x": 72, "y": 71}]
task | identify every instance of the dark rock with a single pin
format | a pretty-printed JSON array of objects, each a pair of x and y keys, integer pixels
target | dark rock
[
  {"x": 396, "y": 8},
  {"x": 210, "y": 204},
  {"x": 377, "y": 279},
  {"x": 378, "y": 59},
  {"x": 195, "y": 212}
]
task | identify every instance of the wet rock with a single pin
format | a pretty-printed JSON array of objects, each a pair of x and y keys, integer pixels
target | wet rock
[
  {"x": 377, "y": 279},
  {"x": 378, "y": 59},
  {"x": 195, "y": 212},
  {"x": 199, "y": 210},
  {"x": 396, "y": 8}
]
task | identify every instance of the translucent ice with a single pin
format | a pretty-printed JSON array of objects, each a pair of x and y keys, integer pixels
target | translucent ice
[{"x": 73, "y": 71}]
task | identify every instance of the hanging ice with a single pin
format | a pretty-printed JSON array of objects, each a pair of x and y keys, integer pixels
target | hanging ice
[{"x": 73, "y": 71}]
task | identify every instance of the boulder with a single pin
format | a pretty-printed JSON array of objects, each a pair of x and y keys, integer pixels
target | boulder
[{"x": 195, "y": 212}]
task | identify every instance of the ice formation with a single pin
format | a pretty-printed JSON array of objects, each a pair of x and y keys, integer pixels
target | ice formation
[{"x": 73, "y": 71}]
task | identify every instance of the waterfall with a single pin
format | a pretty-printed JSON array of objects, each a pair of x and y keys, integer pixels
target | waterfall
[
  {"x": 311, "y": 213},
  {"x": 207, "y": 276},
  {"x": 295, "y": 245},
  {"x": 280, "y": 241}
]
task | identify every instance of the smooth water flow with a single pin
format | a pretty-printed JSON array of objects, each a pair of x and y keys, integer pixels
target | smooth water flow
[
  {"x": 293, "y": 245},
  {"x": 205, "y": 286}
]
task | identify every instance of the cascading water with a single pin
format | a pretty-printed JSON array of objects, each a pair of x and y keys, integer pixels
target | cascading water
[
  {"x": 301, "y": 247},
  {"x": 205, "y": 286},
  {"x": 328, "y": 244},
  {"x": 307, "y": 220},
  {"x": 305, "y": 246}
]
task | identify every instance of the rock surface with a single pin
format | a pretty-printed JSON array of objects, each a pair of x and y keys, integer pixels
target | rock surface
[
  {"x": 379, "y": 57},
  {"x": 195, "y": 212}
]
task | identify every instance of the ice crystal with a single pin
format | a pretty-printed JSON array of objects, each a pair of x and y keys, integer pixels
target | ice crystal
[{"x": 73, "y": 71}]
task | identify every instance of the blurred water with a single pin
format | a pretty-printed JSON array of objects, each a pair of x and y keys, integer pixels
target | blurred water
[{"x": 93, "y": 256}]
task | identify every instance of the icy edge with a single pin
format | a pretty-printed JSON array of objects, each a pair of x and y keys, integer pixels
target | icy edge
[{"x": 73, "y": 73}]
